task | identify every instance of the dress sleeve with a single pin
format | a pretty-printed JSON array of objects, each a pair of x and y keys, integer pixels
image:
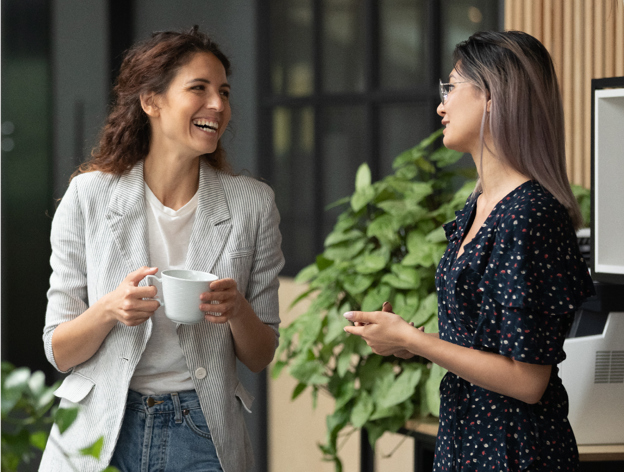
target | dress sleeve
[
  {"x": 534, "y": 281},
  {"x": 536, "y": 265}
]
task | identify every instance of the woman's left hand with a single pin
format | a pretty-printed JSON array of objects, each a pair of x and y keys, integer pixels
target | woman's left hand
[
  {"x": 230, "y": 300},
  {"x": 383, "y": 332}
]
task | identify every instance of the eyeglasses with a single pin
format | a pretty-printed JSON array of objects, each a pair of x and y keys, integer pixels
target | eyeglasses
[{"x": 445, "y": 89}]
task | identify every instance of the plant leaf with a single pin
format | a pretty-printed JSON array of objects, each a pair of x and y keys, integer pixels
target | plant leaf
[
  {"x": 362, "y": 409},
  {"x": 373, "y": 262},
  {"x": 309, "y": 372},
  {"x": 344, "y": 394},
  {"x": 298, "y": 390},
  {"x": 357, "y": 283},
  {"x": 363, "y": 177},
  {"x": 335, "y": 326},
  {"x": 403, "y": 388},
  {"x": 39, "y": 440},
  {"x": 362, "y": 197},
  {"x": 277, "y": 369},
  {"x": 94, "y": 449},
  {"x": 336, "y": 237},
  {"x": 306, "y": 274},
  {"x": 376, "y": 296},
  {"x": 65, "y": 417},
  {"x": 433, "y": 389},
  {"x": 346, "y": 250}
]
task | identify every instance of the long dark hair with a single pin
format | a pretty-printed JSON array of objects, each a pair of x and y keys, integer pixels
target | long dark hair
[
  {"x": 149, "y": 66},
  {"x": 526, "y": 115}
]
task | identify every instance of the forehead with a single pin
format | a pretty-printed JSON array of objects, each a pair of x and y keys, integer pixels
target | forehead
[{"x": 202, "y": 65}]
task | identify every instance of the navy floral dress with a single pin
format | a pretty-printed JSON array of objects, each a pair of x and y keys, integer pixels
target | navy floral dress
[{"x": 513, "y": 291}]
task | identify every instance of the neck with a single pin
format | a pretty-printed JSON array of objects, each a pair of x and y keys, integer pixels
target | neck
[
  {"x": 497, "y": 178},
  {"x": 172, "y": 179}
]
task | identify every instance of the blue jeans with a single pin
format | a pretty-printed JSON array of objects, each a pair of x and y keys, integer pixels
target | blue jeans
[{"x": 165, "y": 433}]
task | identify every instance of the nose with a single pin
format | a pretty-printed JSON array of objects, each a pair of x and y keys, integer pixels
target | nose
[
  {"x": 215, "y": 101},
  {"x": 440, "y": 110}
]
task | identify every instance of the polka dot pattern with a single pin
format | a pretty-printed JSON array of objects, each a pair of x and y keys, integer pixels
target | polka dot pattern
[{"x": 513, "y": 291}]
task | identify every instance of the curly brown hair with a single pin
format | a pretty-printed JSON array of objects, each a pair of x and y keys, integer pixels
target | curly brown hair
[{"x": 149, "y": 66}]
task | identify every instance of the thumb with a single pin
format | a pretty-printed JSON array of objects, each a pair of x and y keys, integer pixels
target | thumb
[
  {"x": 135, "y": 277},
  {"x": 387, "y": 307}
]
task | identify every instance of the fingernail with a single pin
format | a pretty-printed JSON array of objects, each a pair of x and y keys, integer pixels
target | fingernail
[{"x": 348, "y": 315}]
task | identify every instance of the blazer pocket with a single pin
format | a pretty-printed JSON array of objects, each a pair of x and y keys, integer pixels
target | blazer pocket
[
  {"x": 75, "y": 388},
  {"x": 239, "y": 253},
  {"x": 244, "y": 396}
]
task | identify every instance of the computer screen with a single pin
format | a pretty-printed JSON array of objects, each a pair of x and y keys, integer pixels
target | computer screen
[{"x": 607, "y": 225}]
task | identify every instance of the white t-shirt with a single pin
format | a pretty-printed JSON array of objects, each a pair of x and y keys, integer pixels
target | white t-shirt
[{"x": 162, "y": 367}]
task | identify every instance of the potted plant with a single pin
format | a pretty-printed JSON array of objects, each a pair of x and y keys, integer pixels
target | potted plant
[{"x": 385, "y": 246}]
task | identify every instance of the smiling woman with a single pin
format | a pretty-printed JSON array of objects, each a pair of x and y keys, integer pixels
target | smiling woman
[{"x": 156, "y": 195}]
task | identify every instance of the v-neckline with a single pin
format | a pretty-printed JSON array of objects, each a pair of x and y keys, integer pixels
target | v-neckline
[{"x": 472, "y": 216}]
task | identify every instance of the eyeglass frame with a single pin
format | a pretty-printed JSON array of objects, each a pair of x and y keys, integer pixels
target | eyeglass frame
[{"x": 443, "y": 95}]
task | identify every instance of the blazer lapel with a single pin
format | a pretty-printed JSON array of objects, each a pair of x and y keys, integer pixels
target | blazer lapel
[
  {"x": 212, "y": 222},
  {"x": 127, "y": 220}
]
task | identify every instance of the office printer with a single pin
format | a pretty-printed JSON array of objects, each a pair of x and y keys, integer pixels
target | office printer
[{"x": 593, "y": 371}]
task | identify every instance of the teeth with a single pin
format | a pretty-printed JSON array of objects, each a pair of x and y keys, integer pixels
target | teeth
[{"x": 206, "y": 124}]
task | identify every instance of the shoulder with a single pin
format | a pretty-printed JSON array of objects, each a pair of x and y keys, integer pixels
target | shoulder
[
  {"x": 533, "y": 213},
  {"x": 94, "y": 184},
  {"x": 246, "y": 190}
]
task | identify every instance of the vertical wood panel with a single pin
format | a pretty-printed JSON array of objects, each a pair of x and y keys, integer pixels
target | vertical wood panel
[
  {"x": 548, "y": 24},
  {"x": 557, "y": 51},
  {"x": 599, "y": 28},
  {"x": 609, "y": 70},
  {"x": 527, "y": 14},
  {"x": 588, "y": 18},
  {"x": 586, "y": 40},
  {"x": 578, "y": 122},
  {"x": 518, "y": 16},
  {"x": 619, "y": 41},
  {"x": 568, "y": 85},
  {"x": 509, "y": 14},
  {"x": 538, "y": 19}
]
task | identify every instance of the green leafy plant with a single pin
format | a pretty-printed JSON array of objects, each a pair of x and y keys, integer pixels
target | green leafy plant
[
  {"x": 27, "y": 415},
  {"x": 385, "y": 246},
  {"x": 583, "y": 198}
]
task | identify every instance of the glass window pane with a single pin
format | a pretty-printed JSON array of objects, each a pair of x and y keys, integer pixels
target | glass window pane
[
  {"x": 343, "y": 42},
  {"x": 343, "y": 150},
  {"x": 402, "y": 54},
  {"x": 295, "y": 190},
  {"x": 402, "y": 127},
  {"x": 292, "y": 70},
  {"x": 461, "y": 18}
]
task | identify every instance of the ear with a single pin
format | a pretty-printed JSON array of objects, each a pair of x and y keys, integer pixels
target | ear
[
  {"x": 489, "y": 105},
  {"x": 149, "y": 104}
]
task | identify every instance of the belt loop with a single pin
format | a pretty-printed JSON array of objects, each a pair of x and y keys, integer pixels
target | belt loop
[{"x": 177, "y": 408}]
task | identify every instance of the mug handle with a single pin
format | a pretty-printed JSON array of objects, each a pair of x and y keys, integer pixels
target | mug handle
[{"x": 151, "y": 281}]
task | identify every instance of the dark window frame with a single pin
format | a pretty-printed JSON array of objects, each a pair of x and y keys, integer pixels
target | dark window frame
[{"x": 373, "y": 98}]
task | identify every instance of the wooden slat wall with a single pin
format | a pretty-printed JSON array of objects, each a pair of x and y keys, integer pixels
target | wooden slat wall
[{"x": 586, "y": 41}]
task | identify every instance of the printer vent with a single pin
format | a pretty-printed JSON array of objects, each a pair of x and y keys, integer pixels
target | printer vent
[{"x": 609, "y": 367}]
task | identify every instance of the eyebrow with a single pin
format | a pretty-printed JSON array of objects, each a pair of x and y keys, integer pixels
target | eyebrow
[
  {"x": 452, "y": 76},
  {"x": 206, "y": 81}
]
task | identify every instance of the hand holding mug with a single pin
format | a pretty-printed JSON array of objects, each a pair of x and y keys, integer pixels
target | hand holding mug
[
  {"x": 128, "y": 303},
  {"x": 222, "y": 302}
]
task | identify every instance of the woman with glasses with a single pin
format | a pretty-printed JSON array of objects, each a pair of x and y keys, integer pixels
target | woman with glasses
[{"x": 512, "y": 275}]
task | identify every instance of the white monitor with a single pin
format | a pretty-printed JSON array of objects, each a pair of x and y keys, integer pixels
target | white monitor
[{"x": 607, "y": 235}]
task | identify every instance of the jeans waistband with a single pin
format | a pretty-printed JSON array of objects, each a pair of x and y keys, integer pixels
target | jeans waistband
[{"x": 175, "y": 402}]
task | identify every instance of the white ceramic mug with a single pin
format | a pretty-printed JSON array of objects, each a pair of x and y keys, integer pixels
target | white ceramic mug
[{"x": 180, "y": 291}]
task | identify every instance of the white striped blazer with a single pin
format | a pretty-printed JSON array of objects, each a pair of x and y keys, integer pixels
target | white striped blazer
[{"x": 99, "y": 235}]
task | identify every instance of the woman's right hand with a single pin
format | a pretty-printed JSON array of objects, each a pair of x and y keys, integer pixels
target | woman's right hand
[{"x": 126, "y": 303}]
